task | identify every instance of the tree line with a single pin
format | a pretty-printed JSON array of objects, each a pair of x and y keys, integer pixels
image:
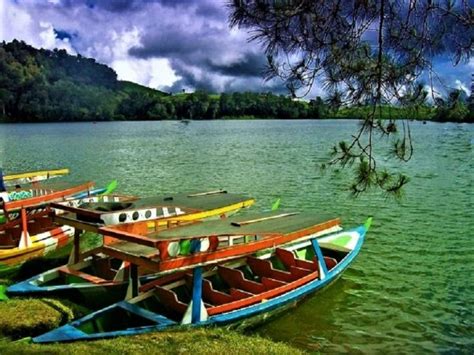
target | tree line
[{"x": 38, "y": 85}]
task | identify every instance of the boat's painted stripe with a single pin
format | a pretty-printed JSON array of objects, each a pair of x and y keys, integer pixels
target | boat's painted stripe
[
  {"x": 28, "y": 202},
  {"x": 42, "y": 244},
  {"x": 205, "y": 214}
]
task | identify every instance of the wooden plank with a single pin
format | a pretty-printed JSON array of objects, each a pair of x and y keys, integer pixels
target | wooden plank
[
  {"x": 141, "y": 261},
  {"x": 76, "y": 210},
  {"x": 129, "y": 237},
  {"x": 244, "y": 223},
  {"x": 85, "y": 226}
]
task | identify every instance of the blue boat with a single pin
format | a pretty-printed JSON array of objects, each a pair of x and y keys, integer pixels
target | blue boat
[{"x": 223, "y": 293}]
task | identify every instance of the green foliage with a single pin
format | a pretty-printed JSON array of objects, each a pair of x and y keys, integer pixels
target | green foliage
[
  {"x": 42, "y": 85},
  {"x": 454, "y": 108}
]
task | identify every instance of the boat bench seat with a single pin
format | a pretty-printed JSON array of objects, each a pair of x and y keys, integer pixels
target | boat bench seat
[
  {"x": 218, "y": 297},
  {"x": 170, "y": 299},
  {"x": 272, "y": 283},
  {"x": 238, "y": 294},
  {"x": 288, "y": 258},
  {"x": 235, "y": 278},
  {"x": 82, "y": 275},
  {"x": 264, "y": 268},
  {"x": 300, "y": 272}
]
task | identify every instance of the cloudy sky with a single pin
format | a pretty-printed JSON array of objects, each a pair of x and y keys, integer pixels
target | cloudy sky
[{"x": 164, "y": 44}]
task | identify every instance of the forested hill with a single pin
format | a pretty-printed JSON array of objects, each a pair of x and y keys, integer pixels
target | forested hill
[{"x": 38, "y": 85}]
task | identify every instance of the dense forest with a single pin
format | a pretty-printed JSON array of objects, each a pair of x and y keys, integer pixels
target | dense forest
[{"x": 38, "y": 85}]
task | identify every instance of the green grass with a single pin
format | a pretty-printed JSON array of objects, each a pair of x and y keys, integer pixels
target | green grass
[
  {"x": 197, "y": 341},
  {"x": 24, "y": 318},
  {"x": 128, "y": 87},
  {"x": 30, "y": 317}
]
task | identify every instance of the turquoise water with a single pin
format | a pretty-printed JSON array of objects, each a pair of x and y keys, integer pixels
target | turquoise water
[{"x": 412, "y": 288}]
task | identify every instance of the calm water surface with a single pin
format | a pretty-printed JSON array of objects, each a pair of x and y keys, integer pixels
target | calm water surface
[{"x": 412, "y": 288}]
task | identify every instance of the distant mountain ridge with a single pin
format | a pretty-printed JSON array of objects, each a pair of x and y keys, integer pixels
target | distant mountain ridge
[
  {"x": 39, "y": 85},
  {"x": 43, "y": 85}
]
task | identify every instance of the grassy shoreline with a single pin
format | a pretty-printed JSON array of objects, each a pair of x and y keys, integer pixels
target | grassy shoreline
[{"x": 23, "y": 318}]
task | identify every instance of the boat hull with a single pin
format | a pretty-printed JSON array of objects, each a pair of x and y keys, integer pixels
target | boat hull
[
  {"x": 42, "y": 244},
  {"x": 147, "y": 321}
]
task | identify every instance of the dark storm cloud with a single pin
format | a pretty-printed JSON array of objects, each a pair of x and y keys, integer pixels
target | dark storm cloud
[
  {"x": 202, "y": 52},
  {"x": 251, "y": 65},
  {"x": 108, "y": 5},
  {"x": 132, "y": 36},
  {"x": 173, "y": 42}
]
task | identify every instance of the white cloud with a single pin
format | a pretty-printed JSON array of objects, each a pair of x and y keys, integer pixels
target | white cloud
[
  {"x": 433, "y": 93},
  {"x": 154, "y": 73},
  {"x": 22, "y": 26},
  {"x": 49, "y": 40},
  {"x": 460, "y": 86}
]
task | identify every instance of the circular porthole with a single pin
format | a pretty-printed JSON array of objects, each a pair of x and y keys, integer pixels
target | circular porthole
[
  {"x": 147, "y": 214},
  {"x": 135, "y": 215},
  {"x": 122, "y": 217}
]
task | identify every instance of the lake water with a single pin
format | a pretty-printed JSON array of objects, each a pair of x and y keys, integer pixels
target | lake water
[{"x": 411, "y": 290}]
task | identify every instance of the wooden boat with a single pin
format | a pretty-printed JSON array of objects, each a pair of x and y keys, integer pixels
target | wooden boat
[
  {"x": 33, "y": 176},
  {"x": 100, "y": 273},
  {"x": 223, "y": 293},
  {"x": 97, "y": 274},
  {"x": 160, "y": 210},
  {"x": 29, "y": 230}
]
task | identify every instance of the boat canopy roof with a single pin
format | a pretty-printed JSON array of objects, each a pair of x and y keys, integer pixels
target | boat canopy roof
[
  {"x": 276, "y": 222},
  {"x": 194, "y": 201}
]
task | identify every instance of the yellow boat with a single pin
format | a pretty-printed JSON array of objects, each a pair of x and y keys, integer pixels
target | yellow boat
[
  {"x": 38, "y": 234},
  {"x": 29, "y": 230},
  {"x": 33, "y": 176}
]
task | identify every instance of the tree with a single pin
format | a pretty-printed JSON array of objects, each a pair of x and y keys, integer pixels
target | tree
[
  {"x": 453, "y": 109},
  {"x": 363, "y": 51}
]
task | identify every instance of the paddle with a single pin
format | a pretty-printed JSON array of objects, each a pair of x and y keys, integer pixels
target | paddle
[
  {"x": 110, "y": 188},
  {"x": 276, "y": 204},
  {"x": 3, "y": 296}
]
